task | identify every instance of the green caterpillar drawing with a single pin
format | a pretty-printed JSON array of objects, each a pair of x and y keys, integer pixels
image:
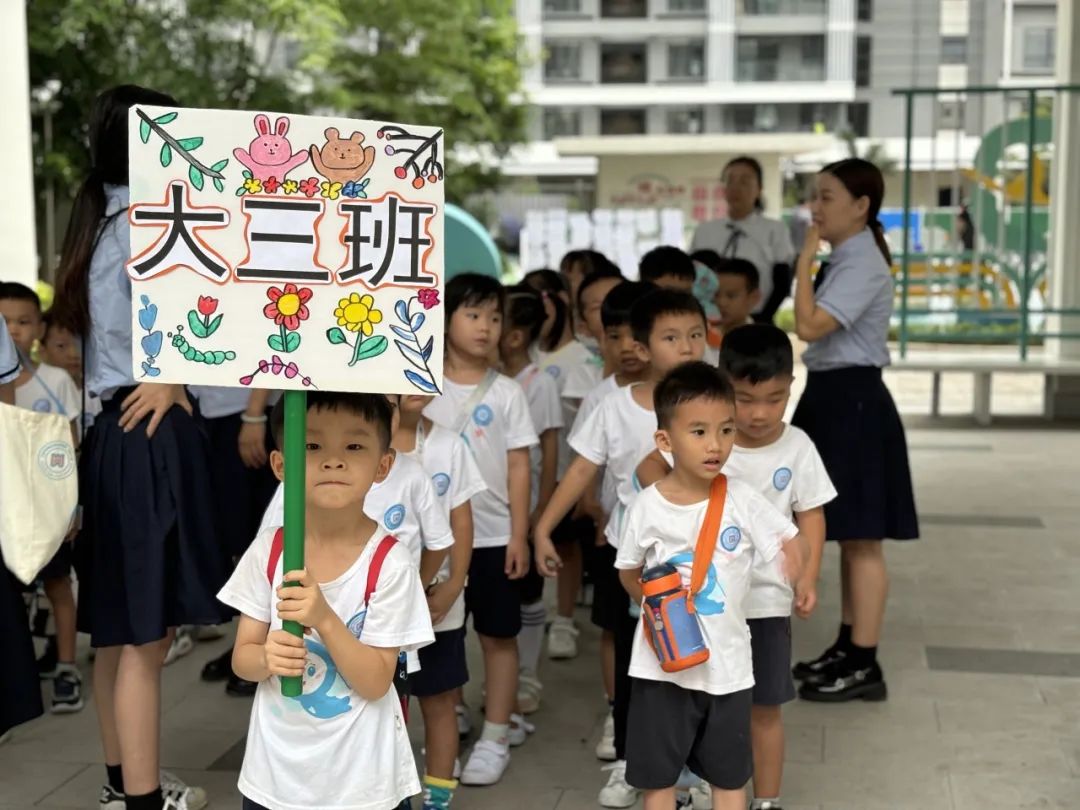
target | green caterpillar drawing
[{"x": 211, "y": 358}]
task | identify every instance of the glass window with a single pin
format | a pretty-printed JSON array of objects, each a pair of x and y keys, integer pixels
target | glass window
[
  {"x": 562, "y": 6},
  {"x": 757, "y": 118},
  {"x": 686, "y": 121},
  {"x": 863, "y": 48},
  {"x": 758, "y": 59},
  {"x": 622, "y": 122},
  {"x": 1039, "y": 48},
  {"x": 813, "y": 51},
  {"x": 858, "y": 116},
  {"x": 950, "y": 114},
  {"x": 686, "y": 6},
  {"x": 624, "y": 8},
  {"x": 686, "y": 61},
  {"x": 768, "y": 7},
  {"x": 865, "y": 10},
  {"x": 954, "y": 50},
  {"x": 563, "y": 61},
  {"x": 560, "y": 122},
  {"x": 623, "y": 63},
  {"x": 811, "y": 117}
]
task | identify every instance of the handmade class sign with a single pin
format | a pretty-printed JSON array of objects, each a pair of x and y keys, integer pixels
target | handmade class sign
[{"x": 286, "y": 252}]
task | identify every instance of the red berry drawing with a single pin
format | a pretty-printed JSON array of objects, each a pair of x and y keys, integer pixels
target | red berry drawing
[
  {"x": 400, "y": 173},
  {"x": 418, "y": 183},
  {"x": 423, "y": 155}
]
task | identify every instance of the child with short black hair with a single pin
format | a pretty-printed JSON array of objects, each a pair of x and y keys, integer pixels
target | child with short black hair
[
  {"x": 668, "y": 267},
  {"x": 359, "y": 598},
  {"x": 47, "y": 389},
  {"x": 738, "y": 292},
  {"x": 698, "y": 717},
  {"x": 491, "y": 413}
]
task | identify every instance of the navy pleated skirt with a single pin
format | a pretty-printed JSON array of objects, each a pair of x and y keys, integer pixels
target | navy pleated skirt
[
  {"x": 148, "y": 557},
  {"x": 20, "y": 697},
  {"x": 851, "y": 416}
]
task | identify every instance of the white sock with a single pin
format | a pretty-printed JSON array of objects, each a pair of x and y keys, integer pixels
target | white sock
[
  {"x": 531, "y": 638},
  {"x": 765, "y": 804},
  {"x": 496, "y": 732}
]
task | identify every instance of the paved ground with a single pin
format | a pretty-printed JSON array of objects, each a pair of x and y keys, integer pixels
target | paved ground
[{"x": 981, "y": 650}]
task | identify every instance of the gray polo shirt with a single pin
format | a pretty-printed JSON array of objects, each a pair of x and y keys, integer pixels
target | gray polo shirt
[
  {"x": 858, "y": 292},
  {"x": 758, "y": 239}
]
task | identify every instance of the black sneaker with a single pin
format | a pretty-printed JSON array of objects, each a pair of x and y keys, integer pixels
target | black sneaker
[
  {"x": 238, "y": 687},
  {"x": 807, "y": 670},
  {"x": 845, "y": 684},
  {"x": 46, "y": 664},
  {"x": 110, "y": 799},
  {"x": 218, "y": 669},
  {"x": 67, "y": 691}
]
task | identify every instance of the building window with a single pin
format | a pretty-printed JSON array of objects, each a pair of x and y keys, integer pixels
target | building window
[
  {"x": 562, "y": 7},
  {"x": 813, "y": 54},
  {"x": 812, "y": 118},
  {"x": 757, "y": 118},
  {"x": 858, "y": 118},
  {"x": 686, "y": 121},
  {"x": 950, "y": 114},
  {"x": 758, "y": 59},
  {"x": 1038, "y": 48},
  {"x": 757, "y": 8},
  {"x": 686, "y": 6},
  {"x": 561, "y": 122},
  {"x": 865, "y": 10},
  {"x": 954, "y": 50},
  {"x": 622, "y": 122},
  {"x": 862, "y": 61},
  {"x": 687, "y": 61},
  {"x": 623, "y": 63},
  {"x": 624, "y": 8},
  {"x": 563, "y": 62}
]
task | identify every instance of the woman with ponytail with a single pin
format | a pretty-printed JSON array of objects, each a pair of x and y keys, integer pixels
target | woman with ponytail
[
  {"x": 147, "y": 557},
  {"x": 848, "y": 412}
]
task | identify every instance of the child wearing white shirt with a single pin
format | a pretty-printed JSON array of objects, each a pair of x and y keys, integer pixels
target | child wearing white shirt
[
  {"x": 360, "y": 598},
  {"x": 698, "y": 717},
  {"x": 491, "y": 414}
]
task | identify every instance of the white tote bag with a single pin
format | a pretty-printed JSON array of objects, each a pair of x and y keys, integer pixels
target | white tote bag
[{"x": 39, "y": 488}]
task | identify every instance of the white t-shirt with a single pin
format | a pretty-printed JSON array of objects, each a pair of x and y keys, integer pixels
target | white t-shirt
[
  {"x": 218, "y": 401},
  {"x": 50, "y": 390},
  {"x": 608, "y": 496},
  {"x": 404, "y": 502},
  {"x": 545, "y": 409},
  {"x": 330, "y": 748},
  {"x": 560, "y": 364},
  {"x": 582, "y": 379},
  {"x": 456, "y": 479},
  {"x": 658, "y": 531},
  {"x": 618, "y": 433},
  {"x": 498, "y": 424},
  {"x": 9, "y": 356},
  {"x": 791, "y": 476}
]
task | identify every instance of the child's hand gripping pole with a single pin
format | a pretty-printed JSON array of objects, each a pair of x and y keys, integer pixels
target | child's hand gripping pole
[{"x": 295, "y": 451}]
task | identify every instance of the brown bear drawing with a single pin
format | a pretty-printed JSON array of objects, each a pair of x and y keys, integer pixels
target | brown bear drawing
[{"x": 341, "y": 160}]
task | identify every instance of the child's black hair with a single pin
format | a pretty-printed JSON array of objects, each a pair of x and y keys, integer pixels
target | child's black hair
[
  {"x": 373, "y": 408},
  {"x": 708, "y": 257},
  {"x": 666, "y": 260},
  {"x": 470, "y": 289},
  {"x": 662, "y": 302},
  {"x": 607, "y": 271},
  {"x": 741, "y": 267},
  {"x": 617, "y": 305},
  {"x": 687, "y": 382},
  {"x": 524, "y": 310},
  {"x": 14, "y": 291},
  {"x": 591, "y": 261},
  {"x": 757, "y": 353},
  {"x": 552, "y": 287}
]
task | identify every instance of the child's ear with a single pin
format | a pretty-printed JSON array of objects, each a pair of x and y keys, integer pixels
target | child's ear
[
  {"x": 663, "y": 440},
  {"x": 385, "y": 463},
  {"x": 277, "y": 464},
  {"x": 755, "y": 297},
  {"x": 642, "y": 352}
]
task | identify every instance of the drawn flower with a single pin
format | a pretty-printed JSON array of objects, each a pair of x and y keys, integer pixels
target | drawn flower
[
  {"x": 253, "y": 185},
  {"x": 271, "y": 185},
  {"x": 429, "y": 297},
  {"x": 290, "y": 186},
  {"x": 310, "y": 187},
  {"x": 207, "y": 305},
  {"x": 357, "y": 313},
  {"x": 331, "y": 190},
  {"x": 289, "y": 306},
  {"x": 356, "y": 189}
]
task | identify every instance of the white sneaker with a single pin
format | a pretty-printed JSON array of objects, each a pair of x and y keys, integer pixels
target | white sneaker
[
  {"x": 520, "y": 729},
  {"x": 487, "y": 764},
  {"x": 464, "y": 722},
  {"x": 701, "y": 796},
  {"x": 562, "y": 639},
  {"x": 605, "y": 749},
  {"x": 617, "y": 793},
  {"x": 182, "y": 644},
  {"x": 182, "y": 795},
  {"x": 529, "y": 689},
  {"x": 210, "y": 632}
]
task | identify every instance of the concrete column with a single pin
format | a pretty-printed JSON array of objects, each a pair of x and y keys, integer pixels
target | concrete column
[
  {"x": 720, "y": 47},
  {"x": 1063, "y": 393},
  {"x": 530, "y": 27},
  {"x": 840, "y": 42},
  {"x": 17, "y": 224}
]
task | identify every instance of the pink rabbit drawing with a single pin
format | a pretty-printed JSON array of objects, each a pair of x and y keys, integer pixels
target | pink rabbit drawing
[{"x": 270, "y": 154}]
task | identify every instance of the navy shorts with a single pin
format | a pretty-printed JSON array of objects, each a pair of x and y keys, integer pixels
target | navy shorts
[
  {"x": 59, "y": 567},
  {"x": 491, "y": 597},
  {"x": 574, "y": 530},
  {"x": 610, "y": 600},
  {"x": 770, "y": 643},
  {"x": 442, "y": 665}
]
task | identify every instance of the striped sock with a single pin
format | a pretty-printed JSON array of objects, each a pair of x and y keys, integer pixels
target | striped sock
[{"x": 438, "y": 793}]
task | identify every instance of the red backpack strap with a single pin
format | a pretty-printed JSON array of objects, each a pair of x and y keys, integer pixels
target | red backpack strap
[
  {"x": 375, "y": 568},
  {"x": 276, "y": 547}
]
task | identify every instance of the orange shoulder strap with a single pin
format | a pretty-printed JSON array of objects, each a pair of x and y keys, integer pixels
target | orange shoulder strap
[{"x": 706, "y": 542}]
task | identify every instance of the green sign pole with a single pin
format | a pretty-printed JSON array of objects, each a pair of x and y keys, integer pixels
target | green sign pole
[{"x": 295, "y": 451}]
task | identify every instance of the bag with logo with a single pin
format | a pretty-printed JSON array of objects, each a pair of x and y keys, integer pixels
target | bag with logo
[
  {"x": 671, "y": 624},
  {"x": 39, "y": 488}
]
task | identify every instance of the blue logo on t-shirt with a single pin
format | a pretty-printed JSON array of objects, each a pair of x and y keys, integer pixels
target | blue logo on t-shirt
[
  {"x": 554, "y": 371},
  {"x": 321, "y": 674},
  {"x": 441, "y": 482},
  {"x": 483, "y": 415},
  {"x": 394, "y": 516},
  {"x": 730, "y": 538},
  {"x": 781, "y": 478},
  {"x": 709, "y": 601},
  {"x": 41, "y": 406}
]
